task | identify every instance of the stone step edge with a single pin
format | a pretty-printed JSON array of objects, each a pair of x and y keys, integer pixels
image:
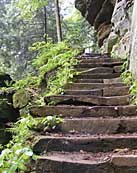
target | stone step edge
[
  {"x": 85, "y": 142},
  {"x": 83, "y": 111},
  {"x": 81, "y": 136},
  {"x": 99, "y": 125},
  {"x": 90, "y": 100},
  {"x": 113, "y": 161}
]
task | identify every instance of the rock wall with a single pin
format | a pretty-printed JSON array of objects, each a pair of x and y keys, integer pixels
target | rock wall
[
  {"x": 98, "y": 13},
  {"x": 133, "y": 42},
  {"x": 116, "y": 25},
  {"x": 118, "y": 41}
]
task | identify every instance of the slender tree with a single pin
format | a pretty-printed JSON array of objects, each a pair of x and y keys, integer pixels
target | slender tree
[
  {"x": 58, "y": 21},
  {"x": 45, "y": 22}
]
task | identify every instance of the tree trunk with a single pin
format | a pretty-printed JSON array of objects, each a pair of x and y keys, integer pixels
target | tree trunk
[
  {"x": 45, "y": 23},
  {"x": 58, "y": 21}
]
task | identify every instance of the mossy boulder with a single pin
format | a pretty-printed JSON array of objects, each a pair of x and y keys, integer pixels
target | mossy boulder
[
  {"x": 112, "y": 41},
  {"x": 7, "y": 112},
  {"x": 21, "y": 98}
]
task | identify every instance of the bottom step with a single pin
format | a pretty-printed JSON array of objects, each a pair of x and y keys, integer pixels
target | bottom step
[{"x": 62, "y": 162}]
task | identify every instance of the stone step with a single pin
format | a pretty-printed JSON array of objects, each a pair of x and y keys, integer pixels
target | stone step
[
  {"x": 61, "y": 162},
  {"x": 106, "y": 81},
  {"x": 96, "y": 92},
  {"x": 115, "y": 91},
  {"x": 88, "y": 80},
  {"x": 89, "y": 86},
  {"x": 85, "y": 111},
  {"x": 94, "y": 55},
  {"x": 100, "y": 125},
  {"x": 93, "y": 65},
  {"x": 97, "y": 70},
  {"x": 98, "y": 76},
  {"x": 106, "y": 92},
  {"x": 89, "y": 100},
  {"x": 116, "y": 69},
  {"x": 84, "y": 142},
  {"x": 98, "y": 60},
  {"x": 78, "y": 162}
]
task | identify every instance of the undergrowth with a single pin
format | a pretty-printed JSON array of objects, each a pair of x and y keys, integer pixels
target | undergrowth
[
  {"x": 129, "y": 79},
  {"x": 54, "y": 68},
  {"x": 55, "y": 63},
  {"x": 16, "y": 156}
]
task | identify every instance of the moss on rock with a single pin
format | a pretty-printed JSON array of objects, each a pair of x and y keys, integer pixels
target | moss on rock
[{"x": 21, "y": 98}]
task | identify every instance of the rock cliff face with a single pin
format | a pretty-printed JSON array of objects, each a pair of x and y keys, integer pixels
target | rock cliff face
[
  {"x": 116, "y": 25},
  {"x": 133, "y": 42},
  {"x": 98, "y": 13}
]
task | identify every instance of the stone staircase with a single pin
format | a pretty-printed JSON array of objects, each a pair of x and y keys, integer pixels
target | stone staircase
[{"x": 98, "y": 134}]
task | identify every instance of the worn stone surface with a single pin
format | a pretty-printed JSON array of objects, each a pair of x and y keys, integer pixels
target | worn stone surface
[
  {"x": 92, "y": 65},
  {"x": 88, "y": 100},
  {"x": 62, "y": 163},
  {"x": 92, "y": 143},
  {"x": 115, "y": 91},
  {"x": 88, "y": 80},
  {"x": 97, "y": 60},
  {"x": 99, "y": 76},
  {"x": 100, "y": 126},
  {"x": 85, "y": 111},
  {"x": 123, "y": 161},
  {"x": 96, "y": 92},
  {"x": 90, "y": 135},
  {"x": 88, "y": 86},
  {"x": 98, "y": 70}
]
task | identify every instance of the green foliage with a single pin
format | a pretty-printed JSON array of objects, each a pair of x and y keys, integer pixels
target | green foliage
[
  {"x": 49, "y": 123},
  {"x": 27, "y": 82},
  {"x": 16, "y": 35},
  {"x": 18, "y": 153},
  {"x": 128, "y": 78},
  {"x": 55, "y": 63},
  {"x": 133, "y": 92},
  {"x": 79, "y": 32},
  {"x": 28, "y": 8}
]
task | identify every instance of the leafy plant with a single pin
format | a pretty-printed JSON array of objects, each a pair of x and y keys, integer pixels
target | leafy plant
[
  {"x": 16, "y": 156},
  {"x": 128, "y": 78},
  {"x": 27, "y": 82},
  {"x": 28, "y": 8},
  {"x": 49, "y": 123},
  {"x": 133, "y": 92},
  {"x": 55, "y": 63}
]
